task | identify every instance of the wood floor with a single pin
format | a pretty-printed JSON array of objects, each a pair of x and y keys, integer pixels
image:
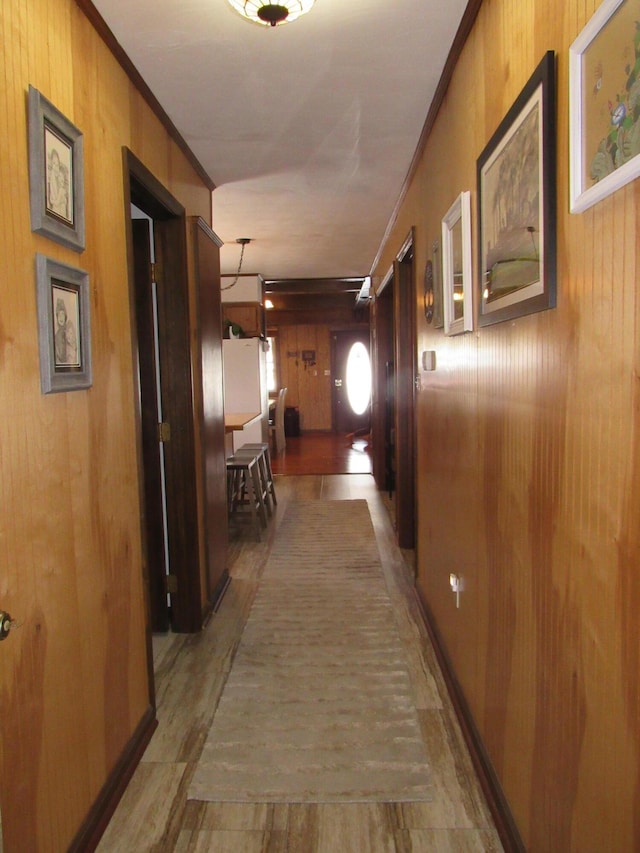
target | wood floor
[
  {"x": 191, "y": 670},
  {"x": 323, "y": 453}
]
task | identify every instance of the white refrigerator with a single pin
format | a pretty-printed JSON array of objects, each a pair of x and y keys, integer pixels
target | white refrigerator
[{"x": 245, "y": 386}]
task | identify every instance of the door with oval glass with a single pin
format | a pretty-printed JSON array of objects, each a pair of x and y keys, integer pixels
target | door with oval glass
[{"x": 351, "y": 372}]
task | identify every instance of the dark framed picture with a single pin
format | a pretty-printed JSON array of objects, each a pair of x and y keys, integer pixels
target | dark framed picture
[
  {"x": 56, "y": 174},
  {"x": 517, "y": 205},
  {"x": 64, "y": 326}
]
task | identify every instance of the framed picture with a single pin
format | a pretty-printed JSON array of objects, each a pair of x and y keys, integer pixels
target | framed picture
[
  {"x": 428, "y": 298},
  {"x": 64, "y": 326},
  {"x": 56, "y": 174},
  {"x": 604, "y": 104},
  {"x": 517, "y": 205},
  {"x": 457, "y": 273},
  {"x": 432, "y": 288}
]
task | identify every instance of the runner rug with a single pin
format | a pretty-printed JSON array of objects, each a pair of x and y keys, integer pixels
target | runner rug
[{"x": 318, "y": 705}]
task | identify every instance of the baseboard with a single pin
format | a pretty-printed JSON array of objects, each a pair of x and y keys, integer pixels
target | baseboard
[
  {"x": 500, "y": 811},
  {"x": 213, "y": 604},
  {"x": 91, "y": 831},
  {"x": 220, "y": 590}
]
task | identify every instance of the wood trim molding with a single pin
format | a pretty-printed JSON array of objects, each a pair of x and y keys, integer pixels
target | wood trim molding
[
  {"x": 459, "y": 41},
  {"x": 101, "y": 27},
  {"x": 496, "y": 800},
  {"x": 155, "y": 196},
  {"x": 92, "y": 829}
]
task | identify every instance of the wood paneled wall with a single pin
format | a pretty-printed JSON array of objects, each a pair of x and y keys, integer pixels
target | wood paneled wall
[
  {"x": 73, "y": 677},
  {"x": 529, "y": 473},
  {"x": 308, "y": 385}
]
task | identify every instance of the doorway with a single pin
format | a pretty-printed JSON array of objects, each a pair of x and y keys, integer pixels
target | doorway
[
  {"x": 404, "y": 387},
  {"x": 394, "y": 363},
  {"x": 170, "y": 531}
]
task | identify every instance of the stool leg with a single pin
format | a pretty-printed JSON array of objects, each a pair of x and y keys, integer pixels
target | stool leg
[
  {"x": 270, "y": 483},
  {"x": 264, "y": 482},
  {"x": 258, "y": 493},
  {"x": 250, "y": 483}
]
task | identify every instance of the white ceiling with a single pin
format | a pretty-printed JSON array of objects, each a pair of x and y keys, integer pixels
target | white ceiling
[{"x": 307, "y": 129}]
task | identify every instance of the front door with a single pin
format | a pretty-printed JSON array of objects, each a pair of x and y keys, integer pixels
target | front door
[{"x": 351, "y": 382}]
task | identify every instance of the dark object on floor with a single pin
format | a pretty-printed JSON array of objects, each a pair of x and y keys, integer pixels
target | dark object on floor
[{"x": 291, "y": 421}]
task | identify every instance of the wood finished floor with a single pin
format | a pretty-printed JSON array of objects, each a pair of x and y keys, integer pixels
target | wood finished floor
[
  {"x": 323, "y": 453},
  {"x": 191, "y": 670}
]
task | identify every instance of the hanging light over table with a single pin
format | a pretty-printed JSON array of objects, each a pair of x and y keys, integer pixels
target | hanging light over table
[{"x": 271, "y": 14}]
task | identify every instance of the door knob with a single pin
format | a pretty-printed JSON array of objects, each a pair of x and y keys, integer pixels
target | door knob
[{"x": 6, "y": 624}]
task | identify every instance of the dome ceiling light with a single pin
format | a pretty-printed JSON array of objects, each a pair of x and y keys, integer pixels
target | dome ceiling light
[{"x": 271, "y": 14}]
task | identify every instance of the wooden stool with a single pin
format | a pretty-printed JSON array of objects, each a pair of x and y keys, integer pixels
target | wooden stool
[
  {"x": 264, "y": 465},
  {"x": 244, "y": 489},
  {"x": 247, "y": 452}
]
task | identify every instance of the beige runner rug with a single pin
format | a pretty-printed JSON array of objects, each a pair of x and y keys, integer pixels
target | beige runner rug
[{"x": 318, "y": 705}]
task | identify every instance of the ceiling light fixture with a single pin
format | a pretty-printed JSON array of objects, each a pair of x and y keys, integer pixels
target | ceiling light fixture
[{"x": 271, "y": 14}]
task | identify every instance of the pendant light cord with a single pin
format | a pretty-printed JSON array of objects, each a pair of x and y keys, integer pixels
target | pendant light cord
[{"x": 243, "y": 242}]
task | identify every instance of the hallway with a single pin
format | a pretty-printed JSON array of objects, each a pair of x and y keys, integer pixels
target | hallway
[{"x": 191, "y": 671}]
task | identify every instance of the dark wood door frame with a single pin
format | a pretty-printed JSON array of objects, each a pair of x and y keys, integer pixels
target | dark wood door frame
[
  {"x": 206, "y": 248},
  {"x": 394, "y": 343},
  {"x": 404, "y": 293},
  {"x": 382, "y": 326},
  {"x": 174, "y": 344}
]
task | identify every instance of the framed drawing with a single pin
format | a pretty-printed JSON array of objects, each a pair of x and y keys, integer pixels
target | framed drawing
[
  {"x": 64, "y": 326},
  {"x": 457, "y": 274},
  {"x": 56, "y": 174},
  {"x": 517, "y": 205},
  {"x": 428, "y": 295},
  {"x": 604, "y": 104}
]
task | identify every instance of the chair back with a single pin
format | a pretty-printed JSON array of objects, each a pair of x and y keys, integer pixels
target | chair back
[{"x": 278, "y": 422}]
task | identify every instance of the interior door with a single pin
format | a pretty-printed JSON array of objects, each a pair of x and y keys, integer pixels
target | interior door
[
  {"x": 154, "y": 527},
  {"x": 351, "y": 382}
]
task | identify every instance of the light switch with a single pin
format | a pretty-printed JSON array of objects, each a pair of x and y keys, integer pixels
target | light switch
[{"x": 428, "y": 359}]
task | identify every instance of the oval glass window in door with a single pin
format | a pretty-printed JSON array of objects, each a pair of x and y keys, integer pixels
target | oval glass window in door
[{"x": 358, "y": 378}]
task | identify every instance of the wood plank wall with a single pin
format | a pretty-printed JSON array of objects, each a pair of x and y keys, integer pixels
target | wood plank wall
[
  {"x": 308, "y": 386},
  {"x": 529, "y": 474},
  {"x": 73, "y": 679}
]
